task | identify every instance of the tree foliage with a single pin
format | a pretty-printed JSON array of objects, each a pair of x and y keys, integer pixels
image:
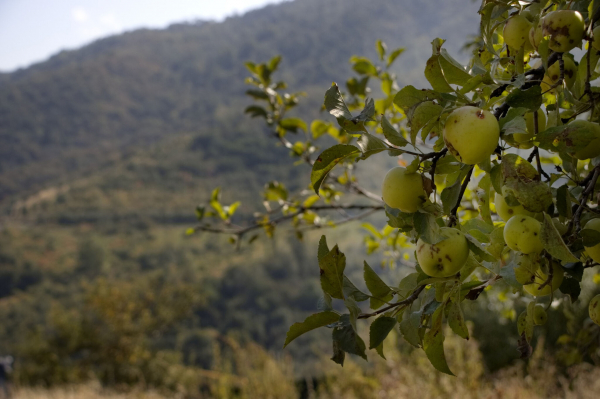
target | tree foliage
[{"x": 540, "y": 169}]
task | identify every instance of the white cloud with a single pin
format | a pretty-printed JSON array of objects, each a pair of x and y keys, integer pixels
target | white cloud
[{"x": 79, "y": 14}]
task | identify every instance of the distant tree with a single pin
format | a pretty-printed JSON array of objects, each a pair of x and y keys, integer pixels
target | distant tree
[{"x": 496, "y": 185}]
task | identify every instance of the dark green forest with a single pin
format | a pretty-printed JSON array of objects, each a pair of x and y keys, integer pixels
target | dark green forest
[{"x": 106, "y": 150}]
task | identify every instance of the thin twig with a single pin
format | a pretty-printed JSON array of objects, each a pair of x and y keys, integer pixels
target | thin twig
[
  {"x": 413, "y": 297},
  {"x": 463, "y": 188}
]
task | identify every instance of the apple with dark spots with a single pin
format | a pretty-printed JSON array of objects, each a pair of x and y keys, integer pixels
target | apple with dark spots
[
  {"x": 445, "y": 258},
  {"x": 565, "y": 29},
  {"x": 522, "y": 234}
]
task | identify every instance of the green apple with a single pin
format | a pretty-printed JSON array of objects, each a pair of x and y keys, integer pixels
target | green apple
[
  {"x": 506, "y": 211},
  {"x": 592, "y": 139},
  {"x": 565, "y": 28},
  {"x": 524, "y": 139},
  {"x": 471, "y": 134},
  {"x": 522, "y": 234},
  {"x": 541, "y": 277},
  {"x": 553, "y": 74},
  {"x": 403, "y": 190},
  {"x": 594, "y": 309},
  {"x": 593, "y": 252},
  {"x": 540, "y": 317},
  {"x": 516, "y": 31},
  {"x": 536, "y": 35},
  {"x": 596, "y": 41},
  {"x": 445, "y": 258}
]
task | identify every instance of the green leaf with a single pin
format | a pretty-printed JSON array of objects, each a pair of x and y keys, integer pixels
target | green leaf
[
  {"x": 563, "y": 202},
  {"x": 381, "y": 49},
  {"x": 453, "y": 71},
  {"x": 377, "y": 287},
  {"x": 323, "y": 248},
  {"x": 449, "y": 196},
  {"x": 524, "y": 182},
  {"x": 332, "y": 268},
  {"x": 350, "y": 291},
  {"x": 274, "y": 63},
  {"x": 571, "y": 287},
  {"x": 433, "y": 343},
  {"x": 257, "y": 94},
  {"x": 483, "y": 196},
  {"x": 553, "y": 242},
  {"x": 335, "y": 104},
  {"x": 363, "y": 66},
  {"x": 409, "y": 96},
  {"x": 477, "y": 248},
  {"x": 496, "y": 177},
  {"x": 310, "y": 323},
  {"x": 421, "y": 115},
  {"x": 569, "y": 138},
  {"x": 255, "y": 110},
  {"x": 398, "y": 219},
  {"x": 456, "y": 319},
  {"x": 427, "y": 228},
  {"x": 348, "y": 340},
  {"x": 367, "y": 113},
  {"x": 380, "y": 329},
  {"x": 338, "y": 354},
  {"x": 508, "y": 274},
  {"x": 370, "y": 145},
  {"x": 293, "y": 124},
  {"x": 393, "y": 55},
  {"x": 319, "y": 128},
  {"x": 407, "y": 285},
  {"x": 516, "y": 125},
  {"x": 409, "y": 327},
  {"x": 354, "y": 311},
  {"x": 392, "y": 134},
  {"x": 435, "y": 75},
  {"x": 530, "y": 98},
  {"x": 327, "y": 160}
]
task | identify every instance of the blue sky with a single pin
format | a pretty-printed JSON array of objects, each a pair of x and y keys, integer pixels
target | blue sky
[{"x": 33, "y": 30}]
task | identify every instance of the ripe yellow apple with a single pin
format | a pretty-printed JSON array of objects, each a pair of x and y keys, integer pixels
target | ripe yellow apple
[
  {"x": 403, "y": 190},
  {"x": 522, "y": 234},
  {"x": 565, "y": 28},
  {"x": 593, "y": 252},
  {"x": 540, "y": 317},
  {"x": 594, "y": 309},
  {"x": 592, "y": 150},
  {"x": 445, "y": 258},
  {"x": 471, "y": 134},
  {"x": 540, "y": 278},
  {"x": 553, "y": 74},
  {"x": 516, "y": 31},
  {"x": 596, "y": 41},
  {"x": 506, "y": 211},
  {"x": 524, "y": 139}
]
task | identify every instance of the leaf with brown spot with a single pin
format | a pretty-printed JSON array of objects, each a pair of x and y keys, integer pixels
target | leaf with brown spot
[{"x": 523, "y": 181}]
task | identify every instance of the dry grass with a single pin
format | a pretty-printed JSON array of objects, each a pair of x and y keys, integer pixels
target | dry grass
[{"x": 253, "y": 373}]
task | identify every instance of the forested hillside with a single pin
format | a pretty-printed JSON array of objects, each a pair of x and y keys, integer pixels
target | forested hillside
[{"x": 86, "y": 109}]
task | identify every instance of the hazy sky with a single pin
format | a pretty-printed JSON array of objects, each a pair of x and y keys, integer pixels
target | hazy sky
[{"x": 32, "y": 30}]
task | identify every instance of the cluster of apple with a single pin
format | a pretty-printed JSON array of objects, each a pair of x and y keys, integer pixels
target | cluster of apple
[{"x": 471, "y": 135}]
